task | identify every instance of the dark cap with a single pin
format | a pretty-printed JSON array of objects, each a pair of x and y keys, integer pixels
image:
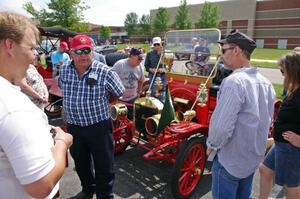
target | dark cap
[
  {"x": 240, "y": 39},
  {"x": 135, "y": 51}
]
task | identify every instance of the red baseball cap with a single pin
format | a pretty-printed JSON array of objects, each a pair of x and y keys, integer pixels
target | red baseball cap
[
  {"x": 81, "y": 41},
  {"x": 64, "y": 45}
]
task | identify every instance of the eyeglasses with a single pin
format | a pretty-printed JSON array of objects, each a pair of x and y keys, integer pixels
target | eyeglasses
[
  {"x": 81, "y": 51},
  {"x": 156, "y": 44},
  {"x": 281, "y": 70},
  {"x": 225, "y": 49}
]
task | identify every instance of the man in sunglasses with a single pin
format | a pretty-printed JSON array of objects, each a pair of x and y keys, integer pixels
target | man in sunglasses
[
  {"x": 240, "y": 123},
  {"x": 151, "y": 62},
  {"x": 87, "y": 86},
  {"x": 132, "y": 76}
]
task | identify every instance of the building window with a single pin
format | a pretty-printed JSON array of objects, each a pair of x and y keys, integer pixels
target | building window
[
  {"x": 282, "y": 44},
  {"x": 260, "y": 43}
]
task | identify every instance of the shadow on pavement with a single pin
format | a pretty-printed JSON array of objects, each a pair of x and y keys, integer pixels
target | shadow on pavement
[{"x": 137, "y": 177}]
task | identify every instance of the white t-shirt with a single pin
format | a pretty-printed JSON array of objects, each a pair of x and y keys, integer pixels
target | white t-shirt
[
  {"x": 25, "y": 143},
  {"x": 129, "y": 76}
]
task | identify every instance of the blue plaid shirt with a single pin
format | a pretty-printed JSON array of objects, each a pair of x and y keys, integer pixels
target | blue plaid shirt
[{"x": 87, "y": 104}]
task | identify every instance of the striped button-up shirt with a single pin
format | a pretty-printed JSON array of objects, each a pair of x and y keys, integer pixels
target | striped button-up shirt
[
  {"x": 86, "y": 99},
  {"x": 240, "y": 123}
]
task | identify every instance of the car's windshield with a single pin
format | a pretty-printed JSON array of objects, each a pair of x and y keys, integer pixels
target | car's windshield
[
  {"x": 195, "y": 51},
  {"x": 47, "y": 45}
]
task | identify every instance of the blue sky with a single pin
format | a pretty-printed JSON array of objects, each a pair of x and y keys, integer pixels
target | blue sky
[{"x": 103, "y": 12}]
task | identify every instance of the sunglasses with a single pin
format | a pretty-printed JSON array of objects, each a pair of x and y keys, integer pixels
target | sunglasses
[
  {"x": 281, "y": 70},
  {"x": 82, "y": 51},
  {"x": 156, "y": 44},
  {"x": 225, "y": 49}
]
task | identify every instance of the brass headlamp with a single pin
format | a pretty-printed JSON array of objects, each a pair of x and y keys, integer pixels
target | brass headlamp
[{"x": 118, "y": 111}]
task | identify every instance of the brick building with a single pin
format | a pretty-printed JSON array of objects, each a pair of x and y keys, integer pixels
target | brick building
[
  {"x": 272, "y": 23},
  {"x": 117, "y": 33}
]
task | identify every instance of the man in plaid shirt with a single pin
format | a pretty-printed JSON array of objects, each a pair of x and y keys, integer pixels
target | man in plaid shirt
[{"x": 87, "y": 87}]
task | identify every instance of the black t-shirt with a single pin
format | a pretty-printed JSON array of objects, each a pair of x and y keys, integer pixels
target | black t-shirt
[{"x": 288, "y": 117}]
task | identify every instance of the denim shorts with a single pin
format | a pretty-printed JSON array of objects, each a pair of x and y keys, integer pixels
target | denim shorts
[{"x": 284, "y": 159}]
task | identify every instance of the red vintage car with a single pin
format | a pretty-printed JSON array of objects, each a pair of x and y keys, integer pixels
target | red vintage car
[{"x": 183, "y": 141}]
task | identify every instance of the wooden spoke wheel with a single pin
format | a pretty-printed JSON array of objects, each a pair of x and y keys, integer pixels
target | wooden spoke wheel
[{"x": 188, "y": 168}]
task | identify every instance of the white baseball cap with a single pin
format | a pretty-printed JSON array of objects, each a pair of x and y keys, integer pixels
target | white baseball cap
[{"x": 156, "y": 40}]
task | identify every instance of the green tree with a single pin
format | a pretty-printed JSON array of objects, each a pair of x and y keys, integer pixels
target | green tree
[
  {"x": 64, "y": 13},
  {"x": 105, "y": 32},
  {"x": 145, "y": 25},
  {"x": 209, "y": 16},
  {"x": 160, "y": 21},
  {"x": 183, "y": 20},
  {"x": 42, "y": 16},
  {"x": 131, "y": 23}
]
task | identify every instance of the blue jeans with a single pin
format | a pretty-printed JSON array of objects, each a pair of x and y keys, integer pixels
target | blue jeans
[
  {"x": 226, "y": 186},
  {"x": 153, "y": 88}
]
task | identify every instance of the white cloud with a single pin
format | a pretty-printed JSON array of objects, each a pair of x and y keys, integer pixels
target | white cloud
[{"x": 103, "y": 12}]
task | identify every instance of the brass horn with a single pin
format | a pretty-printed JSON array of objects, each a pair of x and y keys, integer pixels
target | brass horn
[
  {"x": 179, "y": 116},
  {"x": 118, "y": 111},
  {"x": 151, "y": 125}
]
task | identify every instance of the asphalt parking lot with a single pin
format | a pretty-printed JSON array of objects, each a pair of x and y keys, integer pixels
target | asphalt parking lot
[{"x": 137, "y": 178}]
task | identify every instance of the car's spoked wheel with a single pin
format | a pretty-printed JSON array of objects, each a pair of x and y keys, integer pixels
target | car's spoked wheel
[
  {"x": 188, "y": 168},
  {"x": 122, "y": 137}
]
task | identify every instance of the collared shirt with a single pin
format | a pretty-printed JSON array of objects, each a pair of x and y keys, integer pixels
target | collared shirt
[
  {"x": 240, "y": 122},
  {"x": 152, "y": 59},
  {"x": 86, "y": 99}
]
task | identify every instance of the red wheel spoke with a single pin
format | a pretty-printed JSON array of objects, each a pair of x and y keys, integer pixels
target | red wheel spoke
[
  {"x": 183, "y": 176},
  {"x": 184, "y": 183},
  {"x": 194, "y": 155},
  {"x": 185, "y": 169}
]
